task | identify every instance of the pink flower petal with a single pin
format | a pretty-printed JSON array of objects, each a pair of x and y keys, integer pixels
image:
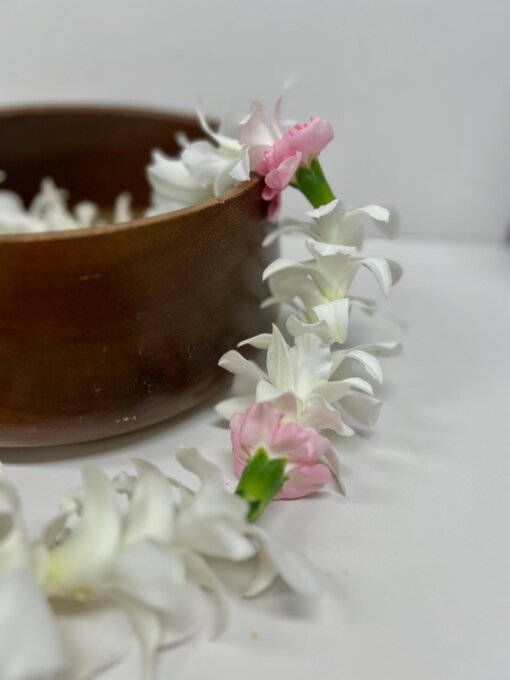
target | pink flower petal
[
  {"x": 304, "y": 480},
  {"x": 311, "y": 139},
  {"x": 268, "y": 194},
  {"x": 273, "y": 208},
  {"x": 297, "y": 146},
  {"x": 300, "y": 444},
  {"x": 239, "y": 465},
  {"x": 280, "y": 177},
  {"x": 254, "y": 428}
]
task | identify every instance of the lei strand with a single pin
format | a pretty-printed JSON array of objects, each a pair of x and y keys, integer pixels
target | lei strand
[{"x": 150, "y": 555}]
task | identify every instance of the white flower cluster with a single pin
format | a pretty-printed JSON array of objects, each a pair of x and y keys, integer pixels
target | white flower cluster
[
  {"x": 145, "y": 544},
  {"x": 151, "y": 561},
  {"x": 314, "y": 381},
  {"x": 49, "y": 211},
  {"x": 209, "y": 168}
]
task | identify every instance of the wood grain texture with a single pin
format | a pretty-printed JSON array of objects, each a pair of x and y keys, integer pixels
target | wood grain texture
[{"x": 110, "y": 329}]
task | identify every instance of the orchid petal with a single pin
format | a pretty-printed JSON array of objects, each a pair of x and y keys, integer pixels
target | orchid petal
[
  {"x": 261, "y": 341},
  {"x": 326, "y": 209},
  {"x": 86, "y": 555},
  {"x": 212, "y": 523},
  {"x": 376, "y": 212},
  {"x": 150, "y": 513},
  {"x": 200, "y": 572},
  {"x": 122, "y": 208},
  {"x": 148, "y": 572},
  {"x": 173, "y": 186},
  {"x": 321, "y": 329},
  {"x": 208, "y": 473},
  {"x": 289, "y": 404},
  {"x": 96, "y": 636},
  {"x": 336, "y": 315},
  {"x": 205, "y": 162},
  {"x": 335, "y": 390},
  {"x": 148, "y": 627},
  {"x": 361, "y": 409},
  {"x": 241, "y": 170},
  {"x": 14, "y": 548},
  {"x": 279, "y": 265},
  {"x": 235, "y": 363},
  {"x": 319, "y": 250},
  {"x": 331, "y": 458},
  {"x": 313, "y": 364},
  {"x": 368, "y": 361},
  {"x": 381, "y": 271},
  {"x": 221, "y": 140},
  {"x": 30, "y": 643},
  {"x": 228, "y": 407},
  {"x": 385, "y": 221},
  {"x": 186, "y": 616},
  {"x": 276, "y": 558},
  {"x": 278, "y": 362},
  {"x": 265, "y": 391},
  {"x": 320, "y": 415},
  {"x": 396, "y": 271}
]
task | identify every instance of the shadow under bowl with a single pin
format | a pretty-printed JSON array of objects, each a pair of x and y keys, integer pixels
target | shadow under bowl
[{"x": 110, "y": 329}]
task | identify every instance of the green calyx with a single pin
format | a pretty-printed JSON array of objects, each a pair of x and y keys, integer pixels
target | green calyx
[
  {"x": 262, "y": 478},
  {"x": 310, "y": 180}
]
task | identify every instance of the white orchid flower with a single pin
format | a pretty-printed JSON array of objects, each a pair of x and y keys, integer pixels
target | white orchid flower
[
  {"x": 48, "y": 211},
  {"x": 332, "y": 223},
  {"x": 236, "y": 149},
  {"x": 151, "y": 562},
  {"x": 172, "y": 186},
  {"x": 122, "y": 208},
  {"x": 221, "y": 164},
  {"x": 127, "y": 560},
  {"x": 13, "y": 216},
  {"x": 318, "y": 289},
  {"x": 212, "y": 523},
  {"x": 359, "y": 410},
  {"x": 50, "y": 206},
  {"x": 299, "y": 380},
  {"x": 30, "y": 643},
  {"x": 208, "y": 168},
  {"x": 255, "y": 133}
]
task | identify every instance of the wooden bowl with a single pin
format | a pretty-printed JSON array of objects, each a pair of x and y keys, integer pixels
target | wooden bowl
[{"x": 110, "y": 329}]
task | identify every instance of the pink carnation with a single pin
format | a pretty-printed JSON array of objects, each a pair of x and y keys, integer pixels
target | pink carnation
[
  {"x": 260, "y": 425},
  {"x": 281, "y": 160}
]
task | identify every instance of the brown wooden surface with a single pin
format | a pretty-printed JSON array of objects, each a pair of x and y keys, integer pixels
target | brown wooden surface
[{"x": 113, "y": 328}]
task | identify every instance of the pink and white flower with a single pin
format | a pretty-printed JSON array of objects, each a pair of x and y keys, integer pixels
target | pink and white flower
[
  {"x": 295, "y": 148},
  {"x": 303, "y": 447}
]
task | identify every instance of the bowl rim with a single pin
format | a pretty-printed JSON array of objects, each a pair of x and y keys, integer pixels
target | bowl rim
[{"x": 140, "y": 222}]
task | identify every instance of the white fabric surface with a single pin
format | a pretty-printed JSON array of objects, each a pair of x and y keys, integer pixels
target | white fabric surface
[{"x": 415, "y": 561}]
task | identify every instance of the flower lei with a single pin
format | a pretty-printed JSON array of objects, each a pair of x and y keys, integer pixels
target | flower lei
[{"x": 150, "y": 555}]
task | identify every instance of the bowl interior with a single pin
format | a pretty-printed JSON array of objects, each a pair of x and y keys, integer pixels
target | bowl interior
[{"x": 93, "y": 152}]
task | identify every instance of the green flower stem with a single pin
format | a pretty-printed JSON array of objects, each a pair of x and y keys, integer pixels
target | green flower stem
[
  {"x": 262, "y": 479},
  {"x": 310, "y": 180}
]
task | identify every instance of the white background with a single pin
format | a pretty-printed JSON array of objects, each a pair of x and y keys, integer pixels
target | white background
[
  {"x": 415, "y": 561},
  {"x": 417, "y": 90}
]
